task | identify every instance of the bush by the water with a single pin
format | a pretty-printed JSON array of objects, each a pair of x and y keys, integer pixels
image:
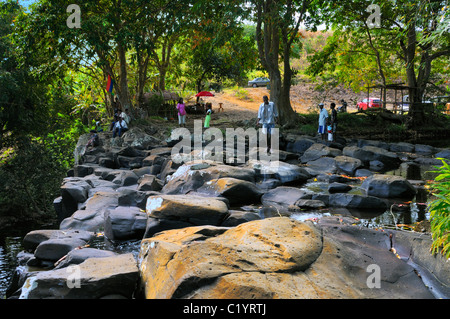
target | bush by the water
[{"x": 440, "y": 211}]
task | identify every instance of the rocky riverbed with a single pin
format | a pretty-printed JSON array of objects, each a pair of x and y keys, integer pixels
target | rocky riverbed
[{"x": 206, "y": 229}]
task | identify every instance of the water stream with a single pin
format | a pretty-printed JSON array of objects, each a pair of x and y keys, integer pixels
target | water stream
[{"x": 406, "y": 214}]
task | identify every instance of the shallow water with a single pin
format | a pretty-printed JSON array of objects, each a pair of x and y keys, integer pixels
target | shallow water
[{"x": 9, "y": 248}]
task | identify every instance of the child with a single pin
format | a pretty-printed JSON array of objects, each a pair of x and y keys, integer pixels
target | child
[{"x": 208, "y": 114}]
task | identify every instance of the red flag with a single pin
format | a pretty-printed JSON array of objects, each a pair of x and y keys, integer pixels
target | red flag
[{"x": 109, "y": 84}]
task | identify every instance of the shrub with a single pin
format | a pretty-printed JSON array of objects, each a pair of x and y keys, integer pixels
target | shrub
[{"x": 440, "y": 211}]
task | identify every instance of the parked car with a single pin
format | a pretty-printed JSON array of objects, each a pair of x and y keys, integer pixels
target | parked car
[
  {"x": 404, "y": 106},
  {"x": 259, "y": 82},
  {"x": 369, "y": 103}
]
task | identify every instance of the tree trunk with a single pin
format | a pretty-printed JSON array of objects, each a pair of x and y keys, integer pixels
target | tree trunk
[{"x": 124, "y": 93}]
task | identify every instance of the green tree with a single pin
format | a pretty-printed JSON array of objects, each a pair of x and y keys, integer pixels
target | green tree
[
  {"x": 38, "y": 130},
  {"x": 277, "y": 30},
  {"x": 409, "y": 33}
]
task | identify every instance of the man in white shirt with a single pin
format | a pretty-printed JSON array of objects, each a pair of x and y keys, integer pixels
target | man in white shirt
[
  {"x": 323, "y": 116},
  {"x": 126, "y": 116},
  {"x": 267, "y": 117},
  {"x": 120, "y": 127}
]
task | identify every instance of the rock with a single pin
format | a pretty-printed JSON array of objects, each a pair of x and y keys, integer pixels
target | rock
[
  {"x": 322, "y": 165},
  {"x": 362, "y": 172},
  {"x": 54, "y": 249},
  {"x": 372, "y": 153},
  {"x": 35, "y": 237},
  {"x": 157, "y": 225},
  {"x": 402, "y": 147},
  {"x": 186, "y": 180},
  {"x": 344, "y": 269},
  {"x": 424, "y": 149},
  {"x": 187, "y": 208},
  {"x": 308, "y": 204},
  {"x": 378, "y": 144},
  {"x": 283, "y": 196},
  {"x": 78, "y": 256},
  {"x": 376, "y": 165},
  {"x": 83, "y": 170},
  {"x": 122, "y": 177},
  {"x": 129, "y": 162},
  {"x": 124, "y": 223},
  {"x": 236, "y": 218},
  {"x": 389, "y": 159},
  {"x": 149, "y": 183},
  {"x": 276, "y": 245},
  {"x": 317, "y": 151},
  {"x": 235, "y": 190},
  {"x": 428, "y": 161},
  {"x": 98, "y": 277},
  {"x": 299, "y": 145},
  {"x": 353, "y": 201},
  {"x": 388, "y": 186},
  {"x": 138, "y": 139},
  {"x": 339, "y": 188},
  {"x": 153, "y": 160},
  {"x": 445, "y": 153},
  {"x": 73, "y": 191},
  {"x": 92, "y": 218},
  {"x": 347, "y": 165},
  {"x": 284, "y": 172},
  {"x": 132, "y": 197}
]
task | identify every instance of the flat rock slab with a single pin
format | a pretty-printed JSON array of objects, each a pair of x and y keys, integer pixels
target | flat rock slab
[
  {"x": 196, "y": 210},
  {"x": 92, "y": 279}
]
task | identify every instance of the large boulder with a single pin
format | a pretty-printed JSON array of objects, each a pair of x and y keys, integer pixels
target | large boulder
[
  {"x": 347, "y": 165},
  {"x": 54, "y": 249},
  {"x": 267, "y": 246},
  {"x": 276, "y": 258},
  {"x": 35, "y": 237},
  {"x": 191, "y": 176},
  {"x": 283, "y": 196},
  {"x": 92, "y": 218},
  {"x": 235, "y": 190},
  {"x": 284, "y": 172},
  {"x": 354, "y": 201},
  {"x": 196, "y": 210},
  {"x": 93, "y": 279},
  {"x": 373, "y": 153},
  {"x": 299, "y": 145},
  {"x": 125, "y": 223},
  {"x": 78, "y": 256},
  {"x": 317, "y": 151},
  {"x": 388, "y": 186}
]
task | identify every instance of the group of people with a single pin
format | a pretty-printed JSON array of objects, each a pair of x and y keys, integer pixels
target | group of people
[
  {"x": 268, "y": 118},
  {"x": 181, "y": 108},
  {"x": 120, "y": 123},
  {"x": 328, "y": 124}
]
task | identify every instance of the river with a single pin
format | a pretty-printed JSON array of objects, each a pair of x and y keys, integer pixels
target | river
[{"x": 410, "y": 213}]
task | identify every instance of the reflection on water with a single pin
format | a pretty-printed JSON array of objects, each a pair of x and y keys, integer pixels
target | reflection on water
[
  {"x": 399, "y": 211},
  {"x": 9, "y": 248}
]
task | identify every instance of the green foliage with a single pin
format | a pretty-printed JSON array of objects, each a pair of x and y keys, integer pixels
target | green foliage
[
  {"x": 38, "y": 128},
  {"x": 440, "y": 211}
]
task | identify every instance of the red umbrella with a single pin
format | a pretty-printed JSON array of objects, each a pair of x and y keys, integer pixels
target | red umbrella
[{"x": 204, "y": 93}]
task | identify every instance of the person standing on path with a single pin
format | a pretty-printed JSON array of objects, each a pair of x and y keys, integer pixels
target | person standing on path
[
  {"x": 181, "y": 107},
  {"x": 333, "y": 121},
  {"x": 268, "y": 117},
  {"x": 323, "y": 116}
]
